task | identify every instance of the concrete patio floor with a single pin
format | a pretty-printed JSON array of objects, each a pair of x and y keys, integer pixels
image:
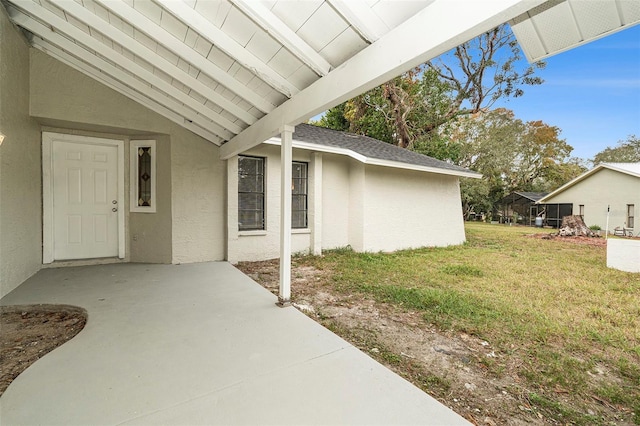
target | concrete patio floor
[{"x": 199, "y": 344}]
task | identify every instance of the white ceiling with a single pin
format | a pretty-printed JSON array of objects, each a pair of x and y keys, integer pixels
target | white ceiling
[
  {"x": 236, "y": 71},
  {"x": 556, "y": 26}
]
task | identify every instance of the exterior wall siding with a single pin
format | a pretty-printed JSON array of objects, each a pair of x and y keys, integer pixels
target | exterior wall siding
[
  {"x": 604, "y": 188},
  {"x": 20, "y": 165},
  {"x": 409, "y": 209}
]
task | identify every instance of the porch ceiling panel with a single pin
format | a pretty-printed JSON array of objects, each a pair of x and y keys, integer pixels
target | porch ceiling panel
[
  {"x": 235, "y": 71},
  {"x": 560, "y": 25}
]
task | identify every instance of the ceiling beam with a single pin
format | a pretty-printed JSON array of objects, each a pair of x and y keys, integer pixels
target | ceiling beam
[
  {"x": 135, "y": 47},
  {"x": 235, "y": 50},
  {"x": 169, "y": 42},
  {"x": 56, "y": 43},
  {"x": 269, "y": 22},
  {"x": 113, "y": 84},
  {"x": 226, "y": 128},
  {"x": 361, "y": 18},
  {"x": 442, "y": 25},
  {"x": 80, "y": 66}
]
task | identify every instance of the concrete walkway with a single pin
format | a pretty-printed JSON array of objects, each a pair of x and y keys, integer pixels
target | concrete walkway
[{"x": 199, "y": 344}]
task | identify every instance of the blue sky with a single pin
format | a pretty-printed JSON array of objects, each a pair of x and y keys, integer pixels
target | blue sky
[{"x": 592, "y": 93}]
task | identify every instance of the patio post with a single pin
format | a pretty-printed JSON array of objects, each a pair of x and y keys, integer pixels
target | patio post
[{"x": 286, "y": 136}]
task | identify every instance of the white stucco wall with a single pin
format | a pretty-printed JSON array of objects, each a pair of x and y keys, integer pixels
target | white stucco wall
[
  {"x": 335, "y": 201},
  {"x": 20, "y": 169},
  {"x": 357, "y": 205},
  {"x": 604, "y": 188},
  {"x": 198, "y": 199},
  {"x": 410, "y": 209},
  {"x": 623, "y": 255},
  {"x": 189, "y": 226}
]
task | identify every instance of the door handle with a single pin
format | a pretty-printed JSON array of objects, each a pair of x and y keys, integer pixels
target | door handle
[
  {"x": 114, "y": 209},
  {"x": 114, "y": 202}
]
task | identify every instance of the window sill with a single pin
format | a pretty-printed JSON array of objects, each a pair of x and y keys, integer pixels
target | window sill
[
  {"x": 301, "y": 231},
  {"x": 263, "y": 232},
  {"x": 257, "y": 232}
]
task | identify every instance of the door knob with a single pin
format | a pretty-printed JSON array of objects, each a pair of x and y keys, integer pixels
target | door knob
[
  {"x": 114, "y": 209},
  {"x": 114, "y": 202}
]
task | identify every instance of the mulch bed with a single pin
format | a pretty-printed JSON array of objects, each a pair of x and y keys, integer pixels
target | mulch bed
[{"x": 28, "y": 332}]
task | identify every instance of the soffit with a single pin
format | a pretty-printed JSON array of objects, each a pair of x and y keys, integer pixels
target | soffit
[{"x": 559, "y": 25}]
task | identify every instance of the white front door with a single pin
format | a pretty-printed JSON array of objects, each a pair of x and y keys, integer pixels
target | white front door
[{"x": 85, "y": 198}]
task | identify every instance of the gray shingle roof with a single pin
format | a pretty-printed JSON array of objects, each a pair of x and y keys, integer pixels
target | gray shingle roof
[
  {"x": 368, "y": 147},
  {"x": 533, "y": 196}
]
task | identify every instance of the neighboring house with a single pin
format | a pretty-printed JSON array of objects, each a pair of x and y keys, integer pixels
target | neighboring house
[
  {"x": 608, "y": 190},
  {"x": 348, "y": 190},
  {"x": 521, "y": 203}
]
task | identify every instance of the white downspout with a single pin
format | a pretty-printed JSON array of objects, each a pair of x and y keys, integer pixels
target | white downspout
[{"x": 286, "y": 155}]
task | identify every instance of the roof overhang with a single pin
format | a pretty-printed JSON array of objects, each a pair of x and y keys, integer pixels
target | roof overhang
[
  {"x": 372, "y": 161},
  {"x": 560, "y": 25}
]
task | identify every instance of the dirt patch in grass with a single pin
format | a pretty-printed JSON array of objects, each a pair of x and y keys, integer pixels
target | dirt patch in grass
[
  {"x": 450, "y": 367},
  {"x": 485, "y": 385},
  {"x": 589, "y": 241},
  {"x": 28, "y": 332}
]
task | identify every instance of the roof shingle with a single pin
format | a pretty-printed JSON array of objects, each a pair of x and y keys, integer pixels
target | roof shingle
[{"x": 369, "y": 147}]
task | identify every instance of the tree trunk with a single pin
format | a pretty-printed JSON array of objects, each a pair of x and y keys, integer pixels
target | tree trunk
[
  {"x": 403, "y": 137},
  {"x": 573, "y": 226}
]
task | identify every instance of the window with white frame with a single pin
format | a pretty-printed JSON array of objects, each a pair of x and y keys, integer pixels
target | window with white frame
[
  {"x": 299, "y": 189},
  {"x": 251, "y": 173},
  {"x": 143, "y": 176},
  {"x": 630, "y": 215}
]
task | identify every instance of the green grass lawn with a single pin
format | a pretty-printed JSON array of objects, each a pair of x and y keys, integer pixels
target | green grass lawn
[{"x": 553, "y": 305}]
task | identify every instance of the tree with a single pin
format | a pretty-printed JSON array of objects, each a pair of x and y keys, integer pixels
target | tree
[
  {"x": 626, "y": 152},
  {"x": 512, "y": 156},
  {"x": 414, "y": 110},
  {"x": 488, "y": 144},
  {"x": 475, "y": 196},
  {"x": 334, "y": 119},
  {"x": 483, "y": 70},
  {"x": 539, "y": 154},
  {"x": 562, "y": 173}
]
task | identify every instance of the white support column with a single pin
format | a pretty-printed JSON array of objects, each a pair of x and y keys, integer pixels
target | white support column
[
  {"x": 315, "y": 203},
  {"x": 284, "y": 295},
  {"x": 232, "y": 210}
]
